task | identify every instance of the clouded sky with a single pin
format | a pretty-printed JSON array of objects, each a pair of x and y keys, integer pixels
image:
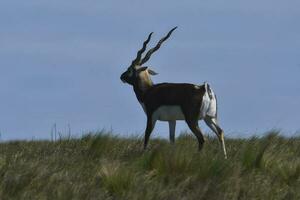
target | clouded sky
[{"x": 60, "y": 62}]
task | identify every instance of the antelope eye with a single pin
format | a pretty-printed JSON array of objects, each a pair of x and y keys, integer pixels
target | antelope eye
[{"x": 130, "y": 72}]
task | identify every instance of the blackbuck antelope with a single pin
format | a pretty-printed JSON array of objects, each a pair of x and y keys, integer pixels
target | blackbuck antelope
[{"x": 172, "y": 101}]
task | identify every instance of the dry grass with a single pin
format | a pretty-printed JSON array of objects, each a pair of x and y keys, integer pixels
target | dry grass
[{"x": 100, "y": 166}]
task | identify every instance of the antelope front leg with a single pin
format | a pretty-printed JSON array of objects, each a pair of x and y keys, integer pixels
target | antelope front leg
[
  {"x": 172, "y": 127},
  {"x": 149, "y": 128}
]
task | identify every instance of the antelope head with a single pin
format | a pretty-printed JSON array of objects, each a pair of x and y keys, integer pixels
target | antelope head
[{"x": 136, "y": 73}]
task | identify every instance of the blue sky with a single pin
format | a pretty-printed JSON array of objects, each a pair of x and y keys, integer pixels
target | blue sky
[{"x": 60, "y": 62}]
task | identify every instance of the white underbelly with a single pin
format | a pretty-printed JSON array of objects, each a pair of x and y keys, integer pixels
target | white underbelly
[{"x": 168, "y": 113}]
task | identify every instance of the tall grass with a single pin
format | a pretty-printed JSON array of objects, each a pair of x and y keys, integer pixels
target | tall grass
[{"x": 102, "y": 166}]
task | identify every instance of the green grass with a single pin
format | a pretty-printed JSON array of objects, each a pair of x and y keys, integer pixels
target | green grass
[{"x": 101, "y": 166}]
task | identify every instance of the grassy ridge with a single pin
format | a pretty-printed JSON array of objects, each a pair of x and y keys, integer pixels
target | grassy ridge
[{"x": 100, "y": 166}]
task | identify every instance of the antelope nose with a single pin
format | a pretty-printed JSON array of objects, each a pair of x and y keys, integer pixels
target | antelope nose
[{"x": 122, "y": 78}]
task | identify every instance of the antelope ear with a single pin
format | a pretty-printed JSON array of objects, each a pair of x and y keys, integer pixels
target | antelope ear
[
  {"x": 141, "y": 69},
  {"x": 153, "y": 73}
]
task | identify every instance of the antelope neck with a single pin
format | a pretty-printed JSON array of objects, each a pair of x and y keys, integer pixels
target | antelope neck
[{"x": 141, "y": 86}]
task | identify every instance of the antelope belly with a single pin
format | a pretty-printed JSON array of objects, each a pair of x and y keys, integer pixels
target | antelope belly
[{"x": 167, "y": 113}]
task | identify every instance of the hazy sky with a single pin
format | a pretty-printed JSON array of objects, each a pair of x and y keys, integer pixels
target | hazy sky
[{"x": 60, "y": 62}]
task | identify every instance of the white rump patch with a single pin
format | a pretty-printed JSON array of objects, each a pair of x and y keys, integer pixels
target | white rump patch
[{"x": 209, "y": 106}]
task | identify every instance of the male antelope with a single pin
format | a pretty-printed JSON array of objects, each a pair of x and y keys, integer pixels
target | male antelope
[{"x": 172, "y": 101}]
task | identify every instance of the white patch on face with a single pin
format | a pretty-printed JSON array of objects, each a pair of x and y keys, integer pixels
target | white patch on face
[{"x": 168, "y": 113}]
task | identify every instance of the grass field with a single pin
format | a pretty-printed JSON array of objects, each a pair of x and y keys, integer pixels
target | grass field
[{"x": 101, "y": 166}]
